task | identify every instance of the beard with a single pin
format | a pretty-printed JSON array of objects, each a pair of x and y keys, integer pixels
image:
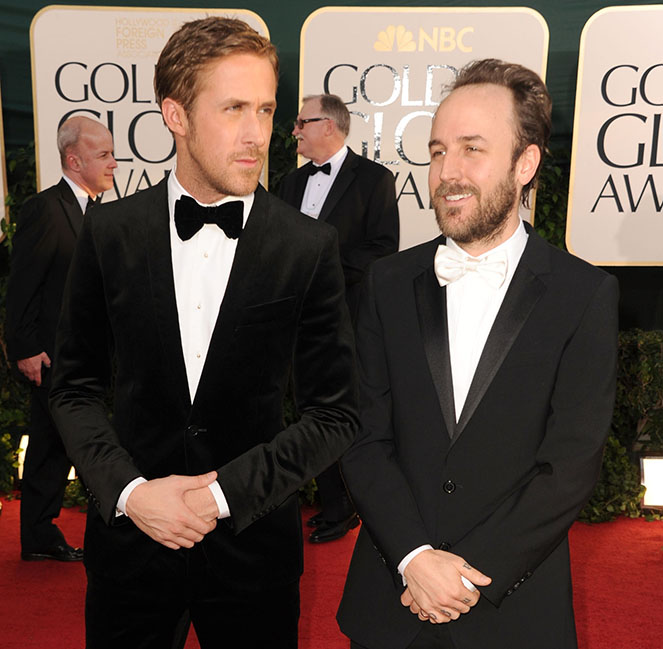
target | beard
[
  {"x": 486, "y": 221},
  {"x": 238, "y": 182},
  {"x": 224, "y": 178}
]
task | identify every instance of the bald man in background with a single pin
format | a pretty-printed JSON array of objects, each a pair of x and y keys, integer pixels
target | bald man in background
[{"x": 46, "y": 231}]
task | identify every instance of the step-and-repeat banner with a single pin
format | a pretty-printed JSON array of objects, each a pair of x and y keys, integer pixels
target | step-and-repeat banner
[
  {"x": 389, "y": 65},
  {"x": 99, "y": 61},
  {"x": 616, "y": 185}
]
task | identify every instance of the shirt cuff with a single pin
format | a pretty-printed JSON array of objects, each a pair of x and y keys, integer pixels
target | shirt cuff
[
  {"x": 221, "y": 502},
  {"x": 121, "y": 507},
  {"x": 408, "y": 557}
]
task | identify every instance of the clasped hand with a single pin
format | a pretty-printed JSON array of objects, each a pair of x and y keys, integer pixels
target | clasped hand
[
  {"x": 176, "y": 511},
  {"x": 435, "y": 590}
]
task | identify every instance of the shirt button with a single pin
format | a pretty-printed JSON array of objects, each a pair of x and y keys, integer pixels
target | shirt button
[
  {"x": 197, "y": 355},
  {"x": 198, "y": 307},
  {"x": 206, "y": 255}
]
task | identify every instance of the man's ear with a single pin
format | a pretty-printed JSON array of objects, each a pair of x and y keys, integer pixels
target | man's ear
[
  {"x": 174, "y": 116},
  {"x": 527, "y": 164},
  {"x": 73, "y": 162},
  {"x": 330, "y": 126}
]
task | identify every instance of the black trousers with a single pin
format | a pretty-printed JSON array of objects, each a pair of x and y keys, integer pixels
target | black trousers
[
  {"x": 334, "y": 499},
  {"x": 146, "y": 611},
  {"x": 44, "y": 478},
  {"x": 431, "y": 636}
]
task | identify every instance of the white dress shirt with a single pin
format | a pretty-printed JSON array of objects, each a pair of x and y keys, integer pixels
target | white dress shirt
[
  {"x": 472, "y": 306},
  {"x": 318, "y": 185},
  {"x": 80, "y": 194},
  {"x": 201, "y": 269}
]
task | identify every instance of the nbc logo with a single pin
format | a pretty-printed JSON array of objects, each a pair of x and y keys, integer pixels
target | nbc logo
[
  {"x": 437, "y": 39},
  {"x": 402, "y": 37}
]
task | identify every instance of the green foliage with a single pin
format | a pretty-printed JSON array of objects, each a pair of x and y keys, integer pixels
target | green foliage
[
  {"x": 8, "y": 463},
  {"x": 638, "y": 417},
  {"x": 14, "y": 396},
  {"x": 75, "y": 495},
  {"x": 308, "y": 494},
  {"x": 618, "y": 492},
  {"x": 21, "y": 184},
  {"x": 282, "y": 155},
  {"x": 552, "y": 198}
]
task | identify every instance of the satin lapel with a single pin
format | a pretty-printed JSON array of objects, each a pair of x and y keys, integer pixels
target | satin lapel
[
  {"x": 524, "y": 292},
  {"x": 242, "y": 278},
  {"x": 432, "y": 312},
  {"x": 346, "y": 175},
  {"x": 160, "y": 264},
  {"x": 71, "y": 207}
]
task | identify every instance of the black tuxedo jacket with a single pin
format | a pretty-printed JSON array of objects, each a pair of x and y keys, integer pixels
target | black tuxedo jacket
[
  {"x": 502, "y": 486},
  {"x": 46, "y": 231},
  {"x": 361, "y": 205},
  {"x": 283, "y": 308}
]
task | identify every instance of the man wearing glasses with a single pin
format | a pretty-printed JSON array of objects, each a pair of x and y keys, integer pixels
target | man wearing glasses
[{"x": 358, "y": 197}]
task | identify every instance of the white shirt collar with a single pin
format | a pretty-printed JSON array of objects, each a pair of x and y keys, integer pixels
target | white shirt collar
[
  {"x": 514, "y": 247},
  {"x": 80, "y": 194},
  {"x": 336, "y": 160}
]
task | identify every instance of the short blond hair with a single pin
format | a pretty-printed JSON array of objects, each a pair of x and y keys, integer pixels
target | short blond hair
[{"x": 196, "y": 44}]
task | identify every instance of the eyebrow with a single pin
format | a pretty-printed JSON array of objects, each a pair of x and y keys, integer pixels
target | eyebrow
[
  {"x": 462, "y": 138},
  {"x": 244, "y": 102}
]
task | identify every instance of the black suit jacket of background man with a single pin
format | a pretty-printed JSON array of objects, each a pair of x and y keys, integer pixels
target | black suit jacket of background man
[
  {"x": 503, "y": 489},
  {"x": 283, "y": 307},
  {"x": 43, "y": 245},
  {"x": 361, "y": 205},
  {"x": 42, "y": 248}
]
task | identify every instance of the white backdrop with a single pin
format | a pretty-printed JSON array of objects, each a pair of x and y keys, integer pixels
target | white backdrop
[
  {"x": 616, "y": 185},
  {"x": 100, "y": 61},
  {"x": 389, "y": 66}
]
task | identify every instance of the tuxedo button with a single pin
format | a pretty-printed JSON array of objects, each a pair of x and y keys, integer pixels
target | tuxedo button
[
  {"x": 192, "y": 431},
  {"x": 449, "y": 486},
  {"x": 527, "y": 575},
  {"x": 445, "y": 546}
]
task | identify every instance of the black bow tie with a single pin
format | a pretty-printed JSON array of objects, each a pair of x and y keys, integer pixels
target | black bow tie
[
  {"x": 190, "y": 216},
  {"x": 91, "y": 202},
  {"x": 325, "y": 168}
]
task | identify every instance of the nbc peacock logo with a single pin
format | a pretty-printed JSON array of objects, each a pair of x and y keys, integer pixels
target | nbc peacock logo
[{"x": 399, "y": 36}]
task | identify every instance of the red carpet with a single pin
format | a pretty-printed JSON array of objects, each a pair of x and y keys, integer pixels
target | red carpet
[{"x": 617, "y": 570}]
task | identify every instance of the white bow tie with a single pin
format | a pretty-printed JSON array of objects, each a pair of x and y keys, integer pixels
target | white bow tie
[{"x": 451, "y": 265}]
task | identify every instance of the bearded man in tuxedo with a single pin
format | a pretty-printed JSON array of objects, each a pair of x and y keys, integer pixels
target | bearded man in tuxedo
[
  {"x": 487, "y": 378},
  {"x": 203, "y": 293}
]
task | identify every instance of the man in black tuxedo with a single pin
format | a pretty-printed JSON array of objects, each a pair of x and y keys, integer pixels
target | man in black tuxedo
[
  {"x": 487, "y": 377},
  {"x": 358, "y": 197},
  {"x": 46, "y": 231},
  {"x": 203, "y": 292}
]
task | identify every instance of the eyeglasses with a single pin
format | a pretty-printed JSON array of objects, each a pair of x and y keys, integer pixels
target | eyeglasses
[{"x": 299, "y": 123}]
